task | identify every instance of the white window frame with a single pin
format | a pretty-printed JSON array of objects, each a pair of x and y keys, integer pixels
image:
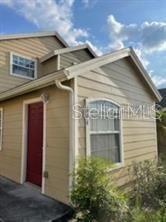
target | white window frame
[
  {"x": 25, "y": 57},
  {"x": 1, "y": 128},
  {"x": 120, "y": 131}
]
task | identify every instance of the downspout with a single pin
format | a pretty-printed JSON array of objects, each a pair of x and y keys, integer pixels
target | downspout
[{"x": 71, "y": 130}]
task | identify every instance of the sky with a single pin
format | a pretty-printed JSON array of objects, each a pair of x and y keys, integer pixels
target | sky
[{"x": 107, "y": 25}]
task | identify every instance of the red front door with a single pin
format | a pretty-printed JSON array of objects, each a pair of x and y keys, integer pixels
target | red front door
[{"x": 35, "y": 143}]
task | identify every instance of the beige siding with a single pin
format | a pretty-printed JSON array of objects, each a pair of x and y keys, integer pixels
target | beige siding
[
  {"x": 121, "y": 83},
  {"x": 83, "y": 55},
  {"x": 10, "y": 156},
  {"x": 76, "y": 57},
  {"x": 31, "y": 47},
  {"x": 57, "y": 130},
  {"x": 49, "y": 66},
  {"x": 68, "y": 59}
]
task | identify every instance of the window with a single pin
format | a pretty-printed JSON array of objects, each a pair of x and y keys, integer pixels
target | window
[
  {"x": 22, "y": 66},
  {"x": 1, "y": 125},
  {"x": 103, "y": 130}
]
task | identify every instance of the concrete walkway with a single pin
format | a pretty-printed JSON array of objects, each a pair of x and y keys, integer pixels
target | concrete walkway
[{"x": 22, "y": 203}]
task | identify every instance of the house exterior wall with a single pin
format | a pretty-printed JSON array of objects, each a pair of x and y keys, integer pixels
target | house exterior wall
[
  {"x": 49, "y": 66},
  {"x": 83, "y": 55},
  {"x": 67, "y": 60},
  {"x": 57, "y": 140},
  {"x": 75, "y": 57},
  {"x": 120, "y": 82},
  {"x": 30, "y": 47}
]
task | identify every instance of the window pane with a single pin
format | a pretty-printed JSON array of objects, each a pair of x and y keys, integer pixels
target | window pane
[
  {"x": 103, "y": 125},
  {"x": 116, "y": 124},
  {"x": 15, "y": 59},
  {"x": 31, "y": 73},
  {"x": 23, "y": 71},
  {"x": 23, "y": 67},
  {"x": 106, "y": 146},
  {"x": 104, "y": 116}
]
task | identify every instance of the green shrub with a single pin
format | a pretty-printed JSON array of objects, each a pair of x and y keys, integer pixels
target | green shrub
[
  {"x": 161, "y": 132},
  {"x": 95, "y": 199},
  {"x": 148, "y": 196},
  {"x": 93, "y": 196},
  {"x": 145, "y": 215},
  {"x": 149, "y": 187}
]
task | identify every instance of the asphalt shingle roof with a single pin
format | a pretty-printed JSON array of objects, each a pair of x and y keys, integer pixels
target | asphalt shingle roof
[{"x": 163, "y": 94}]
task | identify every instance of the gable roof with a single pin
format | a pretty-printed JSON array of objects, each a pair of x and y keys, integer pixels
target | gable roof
[
  {"x": 73, "y": 71},
  {"x": 112, "y": 57},
  {"x": 163, "y": 94},
  {"x": 67, "y": 50},
  {"x": 33, "y": 35}
]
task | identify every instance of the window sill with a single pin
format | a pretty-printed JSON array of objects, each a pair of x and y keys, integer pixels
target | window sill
[
  {"x": 115, "y": 167},
  {"x": 23, "y": 77}
]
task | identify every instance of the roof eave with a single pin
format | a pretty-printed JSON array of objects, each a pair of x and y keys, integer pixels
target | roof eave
[
  {"x": 109, "y": 58},
  {"x": 34, "y": 85},
  {"x": 33, "y": 35},
  {"x": 91, "y": 50},
  {"x": 67, "y": 50},
  {"x": 99, "y": 61},
  {"x": 145, "y": 75}
]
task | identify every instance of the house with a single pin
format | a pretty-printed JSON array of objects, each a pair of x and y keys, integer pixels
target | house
[
  {"x": 162, "y": 103},
  {"x": 42, "y": 83}
]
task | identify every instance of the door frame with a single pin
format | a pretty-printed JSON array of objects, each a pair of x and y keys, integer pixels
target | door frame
[{"x": 25, "y": 139}]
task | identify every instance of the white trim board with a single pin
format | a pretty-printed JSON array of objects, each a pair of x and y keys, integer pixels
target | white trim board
[
  {"x": 33, "y": 85},
  {"x": 67, "y": 50},
  {"x": 82, "y": 68}
]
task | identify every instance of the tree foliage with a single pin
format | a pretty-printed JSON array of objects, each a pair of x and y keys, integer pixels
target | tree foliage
[{"x": 161, "y": 132}]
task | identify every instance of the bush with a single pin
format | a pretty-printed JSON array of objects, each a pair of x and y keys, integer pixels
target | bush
[
  {"x": 148, "y": 196},
  {"x": 144, "y": 215},
  {"x": 161, "y": 132},
  {"x": 149, "y": 187},
  {"x": 93, "y": 196},
  {"x": 95, "y": 199}
]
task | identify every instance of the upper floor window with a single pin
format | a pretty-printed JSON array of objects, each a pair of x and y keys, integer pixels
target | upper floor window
[
  {"x": 22, "y": 66},
  {"x": 104, "y": 130}
]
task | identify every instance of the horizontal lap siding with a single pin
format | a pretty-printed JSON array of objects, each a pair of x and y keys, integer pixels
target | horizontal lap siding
[
  {"x": 31, "y": 47},
  {"x": 49, "y": 66},
  {"x": 121, "y": 83},
  {"x": 83, "y": 55},
  {"x": 68, "y": 59},
  {"x": 57, "y": 158},
  {"x": 57, "y": 151},
  {"x": 76, "y": 57},
  {"x": 10, "y": 156}
]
